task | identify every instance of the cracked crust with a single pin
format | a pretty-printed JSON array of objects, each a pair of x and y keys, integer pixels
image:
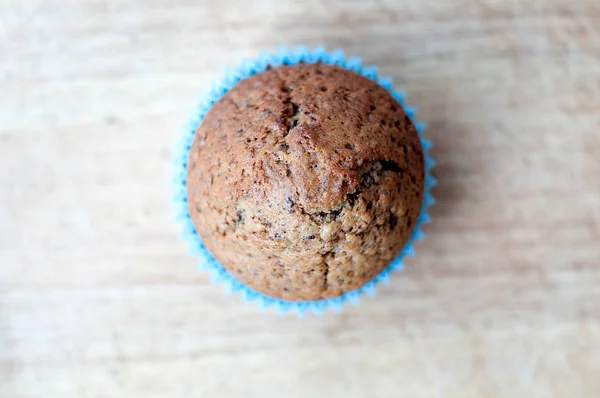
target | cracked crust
[{"x": 305, "y": 181}]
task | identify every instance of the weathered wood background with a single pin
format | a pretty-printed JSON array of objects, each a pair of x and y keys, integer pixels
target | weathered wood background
[{"x": 97, "y": 295}]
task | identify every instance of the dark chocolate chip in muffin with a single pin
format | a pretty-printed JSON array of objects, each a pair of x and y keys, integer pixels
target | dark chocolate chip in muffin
[{"x": 305, "y": 181}]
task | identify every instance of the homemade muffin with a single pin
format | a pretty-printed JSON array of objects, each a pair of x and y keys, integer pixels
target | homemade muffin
[{"x": 305, "y": 181}]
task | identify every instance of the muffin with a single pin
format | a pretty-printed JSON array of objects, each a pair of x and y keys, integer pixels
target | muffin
[{"x": 304, "y": 182}]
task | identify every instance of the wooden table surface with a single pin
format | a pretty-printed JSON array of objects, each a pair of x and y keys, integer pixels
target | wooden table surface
[{"x": 99, "y": 299}]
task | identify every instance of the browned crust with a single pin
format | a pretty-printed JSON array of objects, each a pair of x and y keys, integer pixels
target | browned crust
[{"x": 305, "y": 181}]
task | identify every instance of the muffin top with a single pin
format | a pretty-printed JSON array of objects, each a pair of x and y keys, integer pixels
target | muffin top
[{"x": 305, "y": 181}]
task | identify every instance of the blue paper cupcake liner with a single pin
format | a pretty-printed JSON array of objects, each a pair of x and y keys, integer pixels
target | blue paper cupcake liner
[{"x": 196, "y": 247}]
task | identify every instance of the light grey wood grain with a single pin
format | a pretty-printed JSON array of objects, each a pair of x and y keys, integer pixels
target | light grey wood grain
[{"x": 98, "y": 297}]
